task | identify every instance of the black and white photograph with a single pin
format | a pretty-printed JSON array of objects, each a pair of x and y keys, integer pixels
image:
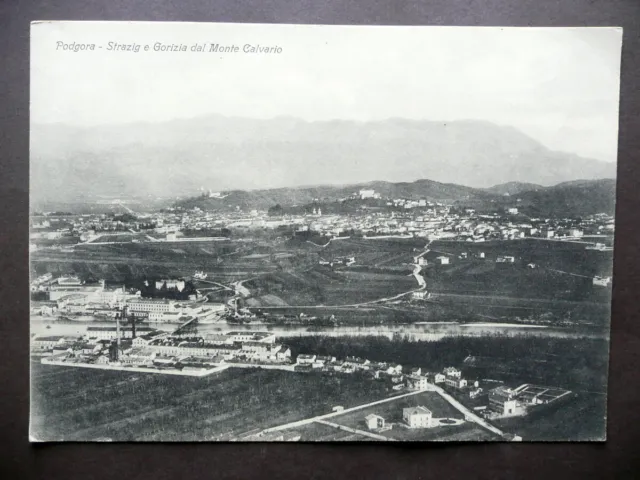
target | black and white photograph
[{"x": 314, "y": 233}]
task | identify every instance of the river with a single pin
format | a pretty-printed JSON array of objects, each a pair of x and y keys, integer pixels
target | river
[{"x": 416, "y": 332}]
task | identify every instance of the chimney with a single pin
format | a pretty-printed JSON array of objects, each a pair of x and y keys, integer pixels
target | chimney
[
  {"x": 117, "y": 354},
  {"x": 133, "y": 325}
]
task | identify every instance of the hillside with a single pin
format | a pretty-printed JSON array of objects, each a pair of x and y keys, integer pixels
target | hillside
[
  {"x": 179, "y": 157},
  {"x": 264, "y": 199},
  {"x": 574, "y": 199},
  {"x": 577, "y": 198},
  {"x": 513, "y": 188}
]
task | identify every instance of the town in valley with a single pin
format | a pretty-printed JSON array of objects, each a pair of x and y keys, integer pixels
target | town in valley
[
  {"x": 320, "y": 233},
  {"x": 202, "y": 292}
]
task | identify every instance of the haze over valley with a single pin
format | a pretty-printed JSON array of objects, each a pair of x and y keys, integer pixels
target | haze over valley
[{"x": 178, "y": 158}]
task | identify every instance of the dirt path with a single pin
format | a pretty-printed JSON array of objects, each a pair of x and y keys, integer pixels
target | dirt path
[
  {"x": 468, "y": 414},
  {"x": 359, "y": 432}
]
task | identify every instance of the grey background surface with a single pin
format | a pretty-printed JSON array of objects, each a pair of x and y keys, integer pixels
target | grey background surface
[{"x": 617, "y": 458}]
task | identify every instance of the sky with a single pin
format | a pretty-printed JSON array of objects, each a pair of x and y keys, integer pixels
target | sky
[{"x": 559, "y": 86}]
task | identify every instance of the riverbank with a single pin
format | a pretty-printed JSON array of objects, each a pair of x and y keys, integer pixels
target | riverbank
[
  {"x": 124, "y": 368},
  {"x": 43, "y": 326}
]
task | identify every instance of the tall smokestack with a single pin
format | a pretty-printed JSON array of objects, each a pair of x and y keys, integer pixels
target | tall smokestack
[
  {"x": 133, "y": 324},
  {"x": 117, "y": 336}
]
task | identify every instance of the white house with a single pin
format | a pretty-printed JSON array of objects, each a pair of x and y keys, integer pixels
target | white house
[
  {"x": 283, "y": 352},
  {"x": 420, "y": 295},
  {"x": 47, "y": 343},
  {"x": 505, "y": 259},
  {"x": 417, "y": 417},
  {"x": 304, "y": 359},
  {"x": 452, "y": 372},
  {"x": 419, "y": 383},
  {"x": 439, "y": 378},
  {"x": 394, "y": 369},
  {"x": 374, "y": 422},
  {"x": 502, "y": 400},
  {"x": 455, "y": 382},
  {"x": 602, "y": 281}
]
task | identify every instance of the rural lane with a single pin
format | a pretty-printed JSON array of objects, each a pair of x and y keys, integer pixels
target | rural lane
[
  {"x": 375, "y": 436},
  {"x": 307, "y": 421}
]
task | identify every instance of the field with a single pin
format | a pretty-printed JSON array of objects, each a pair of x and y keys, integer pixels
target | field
[
  {"x": 82, "y": 404},
  {"x": 317, "y": 432},
  {"x": 558, "y": 291},
  {"x": 123, "y": 237},
  {"x": 323, "y": 286},
  {"x": 119, "y": 262},
  {"x": 563, "y": 270},
  {"x": 381, "y": 253}
]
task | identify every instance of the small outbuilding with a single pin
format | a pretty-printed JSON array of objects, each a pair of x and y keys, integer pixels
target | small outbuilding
[{"x": 374, "y": 422}]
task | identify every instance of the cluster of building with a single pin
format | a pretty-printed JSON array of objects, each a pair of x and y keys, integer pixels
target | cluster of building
[
  {"x": 475, "y": 227},
  {"x": 344, "y": 261},
  {"x": 147, "y": 347},
  {"x": 322, "y": 363},
  {"x": 399, "y": 216},
  {"x": 68, "y": 295},
  {"x": 504, "y": 401},
  {"x": 240, "y": 347},
  {"x": 412, "y": 417},
  {"x": 414, "y": 379}
]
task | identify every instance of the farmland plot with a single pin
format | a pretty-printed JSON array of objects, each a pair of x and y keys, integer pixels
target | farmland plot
[{"x": 82, "y": 404}]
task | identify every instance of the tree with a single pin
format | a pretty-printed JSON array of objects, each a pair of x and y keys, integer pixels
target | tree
[{"x": 276, "y": 210}]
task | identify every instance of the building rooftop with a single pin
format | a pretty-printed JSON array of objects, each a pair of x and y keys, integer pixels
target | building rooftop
[
  {"x": 122, "y": 327},
  {"x": 216, "y": 337},
  {"x": 501, "y": 393},
  {"x": 51, "y": 338},
  {"x": 140, "y": 351},
  {"x": 416, "y": 411},
  {"x": 151, "y": 300}
]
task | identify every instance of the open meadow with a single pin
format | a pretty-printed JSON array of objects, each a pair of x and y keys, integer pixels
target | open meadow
[
  {"x": 73, "y": 403},
  {"x": 544, "y": 269},
  {"x": 323, "y": 286}
]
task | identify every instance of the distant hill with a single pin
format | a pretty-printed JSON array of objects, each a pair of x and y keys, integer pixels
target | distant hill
[
  {"x": 513, "y": 188},
  {"x": 177, "y": 158},
  {"x": 264, "y": 199},
  {"x": 576, "y": 198}
]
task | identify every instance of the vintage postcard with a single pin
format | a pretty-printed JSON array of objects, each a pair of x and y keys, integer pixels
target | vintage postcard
[{"x": 321, "y": 233}]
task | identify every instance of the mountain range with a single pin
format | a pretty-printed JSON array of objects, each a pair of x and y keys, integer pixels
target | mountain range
[{"x": 179, "y": 157}]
